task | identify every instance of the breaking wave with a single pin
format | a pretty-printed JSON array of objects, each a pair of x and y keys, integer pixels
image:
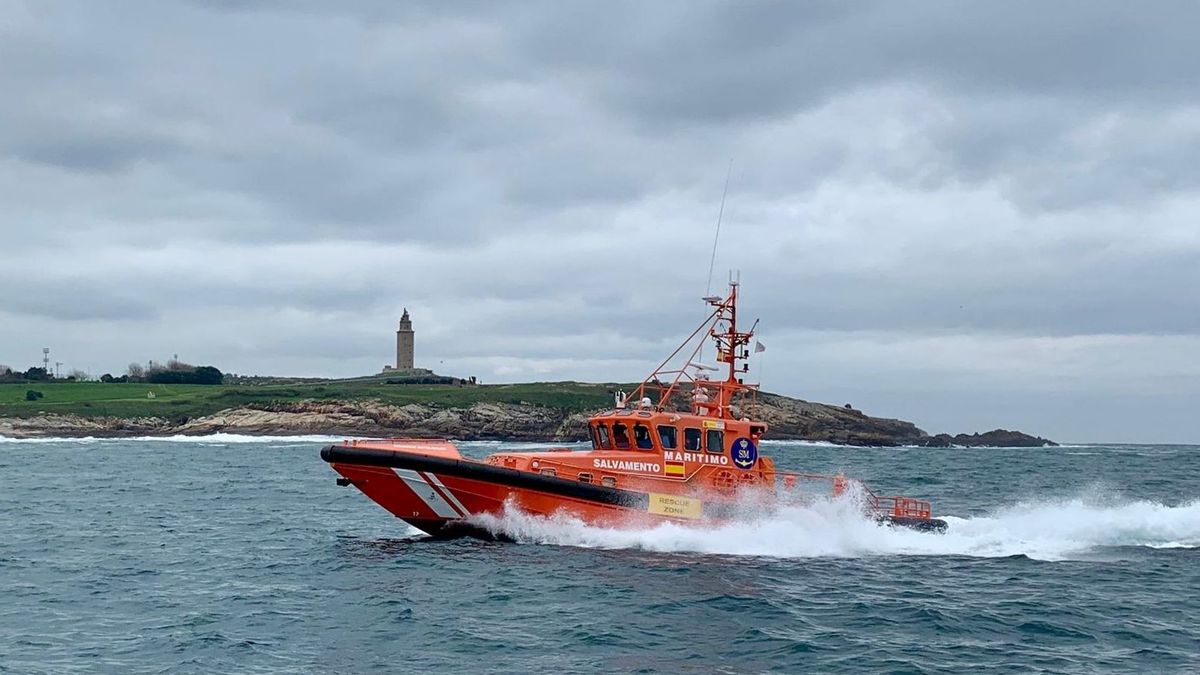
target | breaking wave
[
  {"x": 810, "y": 444},
  {"x": 1046, "y": 530}
]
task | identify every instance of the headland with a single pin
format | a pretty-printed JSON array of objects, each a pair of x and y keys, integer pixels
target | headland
[{"x": 536, "y": 412}]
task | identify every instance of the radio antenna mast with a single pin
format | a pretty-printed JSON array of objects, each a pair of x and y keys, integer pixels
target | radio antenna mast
[{"x": 717, "y": 236}]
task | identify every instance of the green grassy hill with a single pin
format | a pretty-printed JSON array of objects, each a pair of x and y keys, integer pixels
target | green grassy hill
[
  {"x": 180, "y": 401},
  {"x": 173, "y": 405}
]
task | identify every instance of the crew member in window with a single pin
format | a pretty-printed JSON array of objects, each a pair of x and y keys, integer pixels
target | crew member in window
[
  {"x": 621, "y": 436},
  {"x": 641, "y": 435}
]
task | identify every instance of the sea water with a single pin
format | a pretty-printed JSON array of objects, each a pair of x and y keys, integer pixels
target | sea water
[{"x": 236, "y": 554}]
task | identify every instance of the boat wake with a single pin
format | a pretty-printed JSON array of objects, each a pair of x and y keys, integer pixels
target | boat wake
[{"x": 1045, "y": 530}]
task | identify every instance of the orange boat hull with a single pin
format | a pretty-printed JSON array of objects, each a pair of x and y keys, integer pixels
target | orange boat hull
[
  {"x": 429, "y": 485},
  {"x": 443, "y": 496}
]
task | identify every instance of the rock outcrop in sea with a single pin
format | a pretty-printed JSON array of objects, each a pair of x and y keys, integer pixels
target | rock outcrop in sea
[
  {"x": 1001, "y": 438},
  {"x": 789, "y": 419}
]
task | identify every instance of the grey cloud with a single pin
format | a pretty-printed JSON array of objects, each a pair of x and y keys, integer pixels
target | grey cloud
[
  {"x": 776, "y": 57},
  {"x": 1098, "y": 296},
  {"x": 267, "y": 183},
  {"x": 102, "y": 153},
  {"x": 370, "y": 149},
  {"x": 71, "y": 300}
]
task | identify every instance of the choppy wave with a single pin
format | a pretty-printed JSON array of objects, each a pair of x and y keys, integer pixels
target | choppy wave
[
  {"x": 1047, "y": 530},
  {"x": 812, "y": 444},
  {"x": 219, "y": 555}
]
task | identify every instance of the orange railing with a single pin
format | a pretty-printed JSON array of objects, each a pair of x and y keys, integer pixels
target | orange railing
[{"x": 903, "y": 507}]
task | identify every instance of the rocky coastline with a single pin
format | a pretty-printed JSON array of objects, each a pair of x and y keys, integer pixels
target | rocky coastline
[{"x": 789, "y": 419}]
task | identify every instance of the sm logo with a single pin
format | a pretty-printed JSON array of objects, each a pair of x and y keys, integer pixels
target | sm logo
[{"x": 745, "y": 454}]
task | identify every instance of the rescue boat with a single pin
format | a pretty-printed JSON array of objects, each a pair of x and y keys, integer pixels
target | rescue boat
[{"x": 683, "y": 447}]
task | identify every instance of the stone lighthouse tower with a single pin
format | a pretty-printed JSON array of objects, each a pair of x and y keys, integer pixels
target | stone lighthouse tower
[{"x": 404, "y": 343}]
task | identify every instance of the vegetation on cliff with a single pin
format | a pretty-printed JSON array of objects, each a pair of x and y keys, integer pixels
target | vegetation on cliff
[
  {"x": 540, "y": 411},
  {"x": 182, "y": 402}
]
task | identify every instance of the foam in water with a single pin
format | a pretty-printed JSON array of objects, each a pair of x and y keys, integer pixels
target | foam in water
[
  {"x": 812, "y": 444},
  {"x": 1048, "y": 530}
]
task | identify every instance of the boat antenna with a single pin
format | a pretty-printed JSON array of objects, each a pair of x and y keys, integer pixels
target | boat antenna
[{"x": 712, "y": 261}]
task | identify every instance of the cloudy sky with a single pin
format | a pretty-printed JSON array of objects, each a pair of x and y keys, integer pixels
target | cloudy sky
[{"x": 969, "y": 216}]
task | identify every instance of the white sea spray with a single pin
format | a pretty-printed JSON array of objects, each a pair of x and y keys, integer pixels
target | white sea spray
[{"x": 1045, "y": 530}]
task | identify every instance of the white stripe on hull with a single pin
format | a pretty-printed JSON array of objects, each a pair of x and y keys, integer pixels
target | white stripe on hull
[
  {"x": 462, "y": 510},
  {"x": 426, "y": 492}
]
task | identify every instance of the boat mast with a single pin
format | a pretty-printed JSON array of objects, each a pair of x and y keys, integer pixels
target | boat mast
[
  {"x": 732, "y": 353},
  {"x": 731, "y": 348}
]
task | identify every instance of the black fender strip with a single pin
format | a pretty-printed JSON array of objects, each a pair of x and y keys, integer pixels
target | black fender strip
[
  {"x": 920, "y": 524},
  {"x": 488, "y": 473}
]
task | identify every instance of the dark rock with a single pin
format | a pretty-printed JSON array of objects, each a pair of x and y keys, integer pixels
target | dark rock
[
  {"x": 939, "y": 441},
  {"x": 1001, "y": 438},
  {"x": 796, "y": 419}
]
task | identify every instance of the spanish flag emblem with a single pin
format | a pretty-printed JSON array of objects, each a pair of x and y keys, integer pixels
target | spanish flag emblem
[{"x": 676, "y": 468}]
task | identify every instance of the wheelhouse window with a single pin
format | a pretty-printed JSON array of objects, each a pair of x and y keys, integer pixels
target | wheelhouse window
[
  {"x": 715, "y": 442},
  {"x": 641, "y": 436},
  {"x": 667, "y": 436},
  {"x": 621, "y": 436},
  {"x": 600, "y": 434},
  {"x": 691, "y": 438}
]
